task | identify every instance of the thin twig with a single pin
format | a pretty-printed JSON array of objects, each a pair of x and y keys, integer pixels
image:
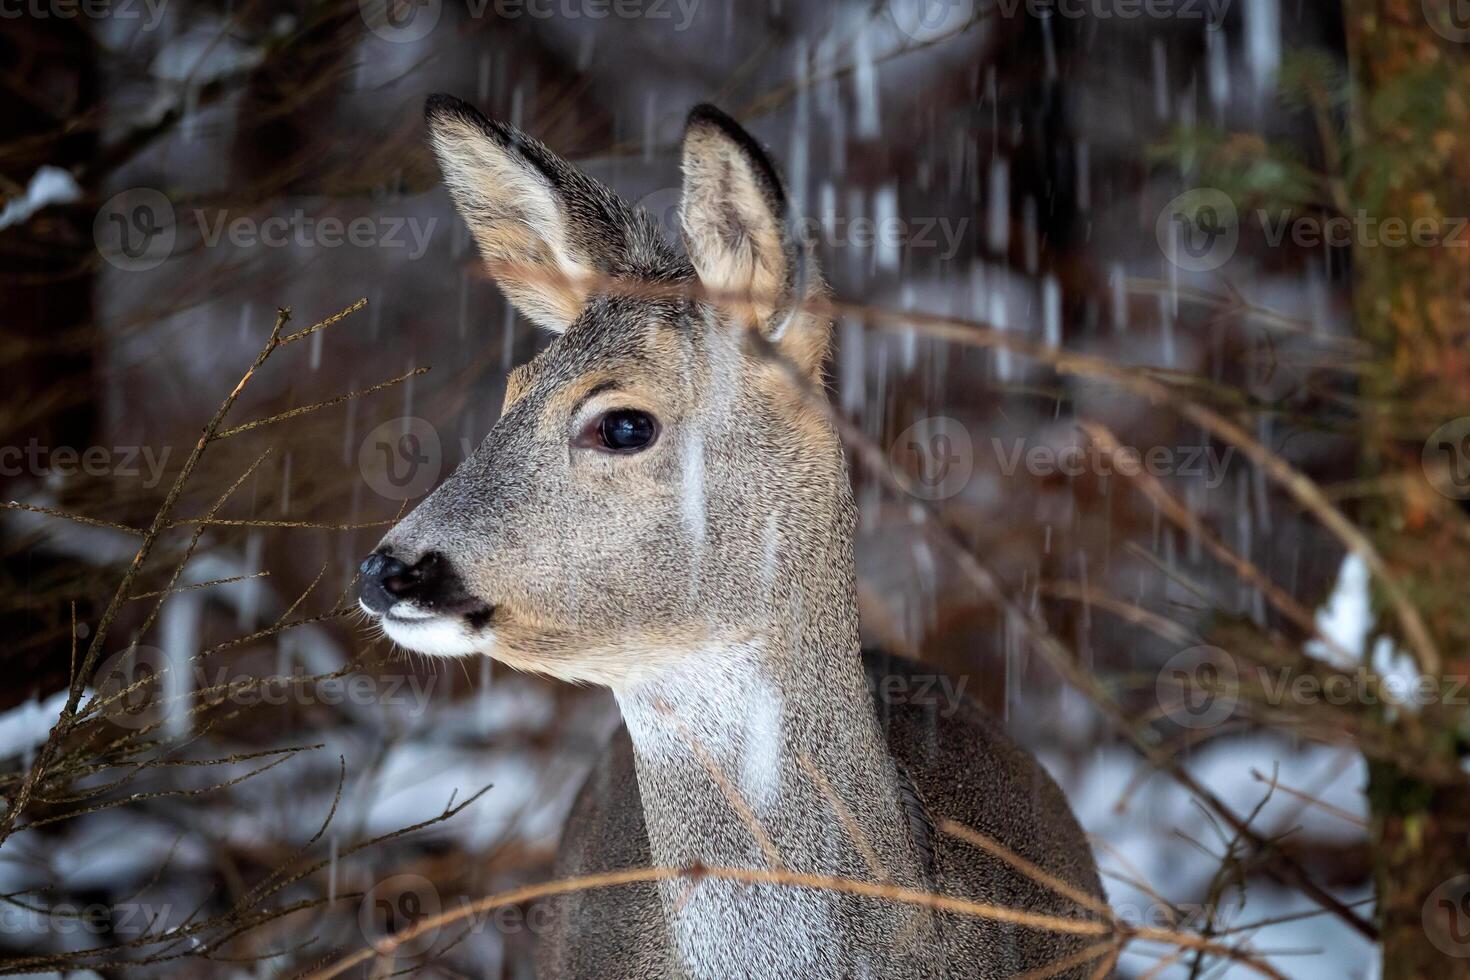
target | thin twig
[
  {"x": 199, "y": 585},
  {"x": 316, "y": 406},
  {"x": 1243, "y": 568},
  {"x": 1041, "y": 877},
  {"x": 1311, "y": 800},
  {"x": 124, "y": 588}
]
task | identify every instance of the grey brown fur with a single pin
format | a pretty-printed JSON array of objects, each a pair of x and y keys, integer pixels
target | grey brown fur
[
  {"x": 708, "y": 580},
  {"x": 963, "y": 766}
]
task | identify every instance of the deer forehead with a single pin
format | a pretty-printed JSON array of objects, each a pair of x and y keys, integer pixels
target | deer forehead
[{"x": 673, "y": 354}]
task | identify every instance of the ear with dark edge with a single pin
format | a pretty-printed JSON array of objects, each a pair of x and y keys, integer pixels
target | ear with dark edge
[
  {"x": 548, "y": 232},
  {"x": 733, "y": 214}
]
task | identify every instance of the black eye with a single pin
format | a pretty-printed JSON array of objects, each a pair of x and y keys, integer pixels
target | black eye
[{"x": 626, "y": 430}]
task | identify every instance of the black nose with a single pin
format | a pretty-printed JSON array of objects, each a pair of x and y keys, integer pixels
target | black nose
[{"x": 386, "y": 580}]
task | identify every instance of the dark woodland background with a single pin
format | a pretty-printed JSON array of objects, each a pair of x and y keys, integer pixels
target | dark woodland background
[{"x": 973, "y": 161}]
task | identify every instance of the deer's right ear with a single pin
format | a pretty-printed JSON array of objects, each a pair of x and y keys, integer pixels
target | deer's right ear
[
  {"x": 515, "y": 194},
  {"x": 733, "y": 213}
]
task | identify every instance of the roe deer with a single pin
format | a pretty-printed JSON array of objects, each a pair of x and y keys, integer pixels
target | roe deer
[{"x": 664, "y": 508}]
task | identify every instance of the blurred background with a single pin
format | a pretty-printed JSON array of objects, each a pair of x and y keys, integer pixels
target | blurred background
[{"x": 291, "y": 789}]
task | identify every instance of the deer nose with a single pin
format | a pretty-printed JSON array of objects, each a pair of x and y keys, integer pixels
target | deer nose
[{"x": 386, "y": 580}]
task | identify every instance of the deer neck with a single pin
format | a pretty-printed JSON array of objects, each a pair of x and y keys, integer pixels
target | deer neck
[{"x": 768, "y": 754}]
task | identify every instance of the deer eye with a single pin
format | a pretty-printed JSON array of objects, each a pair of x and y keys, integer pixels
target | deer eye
[{"x": 624, "y": 430}]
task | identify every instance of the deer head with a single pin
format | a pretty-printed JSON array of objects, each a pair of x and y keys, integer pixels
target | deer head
[{"x": 661, "y": 483}]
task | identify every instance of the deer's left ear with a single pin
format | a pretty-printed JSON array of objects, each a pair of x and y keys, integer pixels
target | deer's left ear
[{"x": 733, "y": 214}]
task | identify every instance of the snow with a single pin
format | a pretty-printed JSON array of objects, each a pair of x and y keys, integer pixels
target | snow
[
  {"x": 49, "y": 185},
  {"x": 418, "y": 781},
  {"x": 204, "y": 53},
  {"x": 1263, "y": 41},
  {"x": 1140, "y": 828},
  {"x": 962, "y": 148},
  {"x": 865, "y": 80},
  {"x": 26, "y": 726},
  {"x": 1346, "y": 617}
]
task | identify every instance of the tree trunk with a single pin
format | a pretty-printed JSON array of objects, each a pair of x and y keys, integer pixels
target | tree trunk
[
  {"x": 49, "y": 79},
  {"x": 1410, "y": 64}
]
